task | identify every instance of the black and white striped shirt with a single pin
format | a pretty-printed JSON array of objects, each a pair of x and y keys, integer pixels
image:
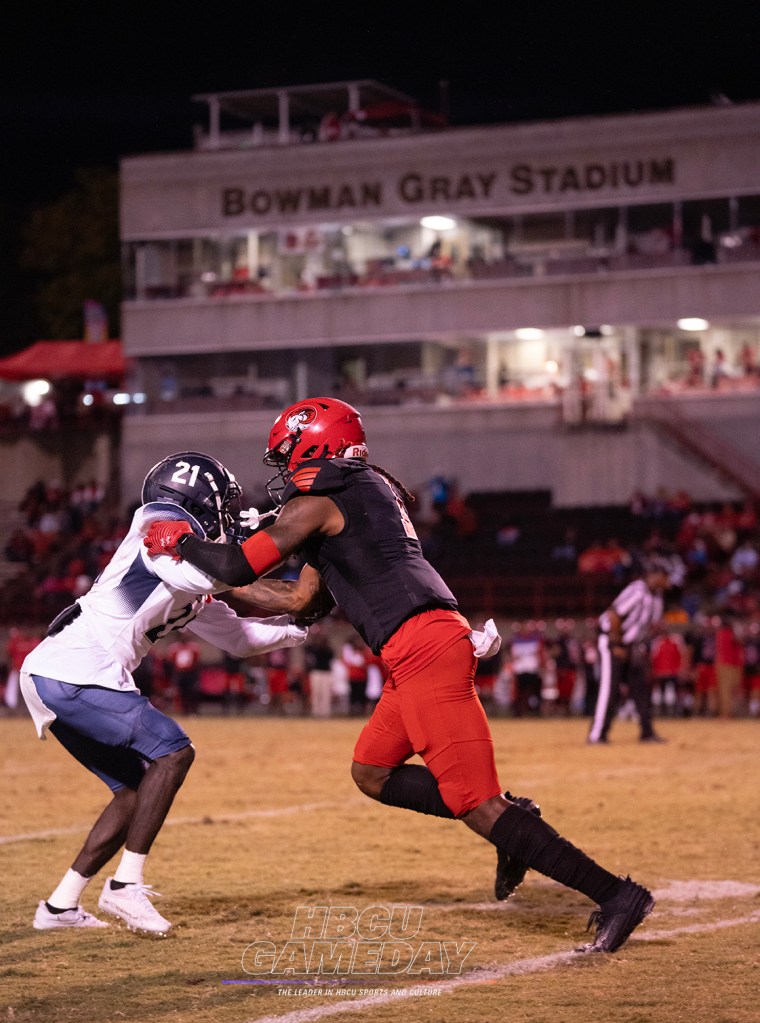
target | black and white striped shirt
[{"x": 638, "y": 609}]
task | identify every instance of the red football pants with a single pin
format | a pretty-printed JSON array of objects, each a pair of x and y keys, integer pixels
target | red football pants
[{"x": 436, "y": 714}]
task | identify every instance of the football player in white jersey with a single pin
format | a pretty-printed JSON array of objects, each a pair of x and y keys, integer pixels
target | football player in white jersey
[{"x": 78, "y": 685}]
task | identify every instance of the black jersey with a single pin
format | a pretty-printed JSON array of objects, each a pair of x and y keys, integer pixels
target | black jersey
[{"x": 374, "y": 567}]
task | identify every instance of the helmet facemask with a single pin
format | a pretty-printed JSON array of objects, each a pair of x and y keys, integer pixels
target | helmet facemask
[
  {"x": 227, "y": 510},
  {"x": 279, "y": 458}
]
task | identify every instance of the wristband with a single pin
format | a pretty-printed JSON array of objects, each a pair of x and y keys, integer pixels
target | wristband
[
  {"x": 261, "y": 553},
  {"x": 178, "y": 544}
]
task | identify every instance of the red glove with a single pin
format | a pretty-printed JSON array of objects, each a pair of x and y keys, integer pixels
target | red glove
[{"x": 162, "y": 538}]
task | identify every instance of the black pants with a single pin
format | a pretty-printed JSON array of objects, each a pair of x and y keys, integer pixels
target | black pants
[
  {"x": 615, "y": 672},
  {"x": 527, "y": 694}
]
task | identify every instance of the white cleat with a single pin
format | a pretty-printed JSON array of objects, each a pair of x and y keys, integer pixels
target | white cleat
[
  {"x": 44, "y": 920},
  {"x": 132, "y": 905}
]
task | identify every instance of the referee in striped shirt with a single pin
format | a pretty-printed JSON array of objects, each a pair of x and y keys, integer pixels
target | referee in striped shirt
[{"x": 624, "y": 626}]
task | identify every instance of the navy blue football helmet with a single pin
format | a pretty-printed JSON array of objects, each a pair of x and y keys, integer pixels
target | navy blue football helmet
[{"x": 201, "y": 486}]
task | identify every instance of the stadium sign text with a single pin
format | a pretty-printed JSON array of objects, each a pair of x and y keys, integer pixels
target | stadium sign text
[
  {"x": 412, "y": 189},
  {"x": 345, "y": 941}
]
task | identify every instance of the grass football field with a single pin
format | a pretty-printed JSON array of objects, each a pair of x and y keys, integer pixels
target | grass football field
[{"x": 272, "y": 864}]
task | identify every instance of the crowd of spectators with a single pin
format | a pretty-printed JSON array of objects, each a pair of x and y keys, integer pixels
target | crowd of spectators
[
  {"x": 66, "y": 538},
  {"x": 713, "y": 610},
  {"x": 549, "y": 669}
]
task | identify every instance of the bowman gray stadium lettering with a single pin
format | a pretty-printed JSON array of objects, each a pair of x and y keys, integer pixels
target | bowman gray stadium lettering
[{"x": 413, "y": 188}]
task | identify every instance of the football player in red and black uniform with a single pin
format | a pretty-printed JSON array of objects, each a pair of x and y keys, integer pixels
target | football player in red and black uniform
[{"x": 349, "y": 519}]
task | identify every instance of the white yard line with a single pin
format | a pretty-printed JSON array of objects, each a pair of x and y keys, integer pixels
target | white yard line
[
  {"x": 672, "y": 891},
  {"x": 222, "y": 818},
  {"x": 334, "y": 1007}
]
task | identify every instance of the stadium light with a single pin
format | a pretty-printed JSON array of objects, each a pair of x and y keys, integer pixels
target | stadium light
[
  {"x": 34, "y": 391},
  {"x": 692, "y": 323},
  {"x": 436, "y": 223},
  {"x": 529, "y": 333}
]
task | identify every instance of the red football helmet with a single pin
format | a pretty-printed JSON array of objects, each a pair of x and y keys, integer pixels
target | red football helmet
[{"x": 314, "y": 428}]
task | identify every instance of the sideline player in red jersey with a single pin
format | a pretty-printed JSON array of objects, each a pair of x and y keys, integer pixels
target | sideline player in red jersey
[{"x": 350, "y": 521}]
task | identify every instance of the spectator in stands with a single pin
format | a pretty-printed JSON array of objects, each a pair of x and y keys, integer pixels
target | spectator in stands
[
  {"x": 745, "y": 559},
  {"x": 606, "y": 559},
  {"x": 144, "y": 675},
  {"x": 19, "y": 548},
  {"x": 21, "y": 641},
  {"x": 565, "y": 553},
  {"x": 319, "y": 662},
  {"x": 724, "y": 528},
  {"x": 508, "y": 534},
  {"x": 748, "y": 360},
  {"x": 752, "y": 668},
  {"x": 696, "y": 374},
  {"x": 590, "y": 667},
  {"x": 701, "y": 644},
  {"x": 356, "y": 655},
  {"x": 528, "y": 662},
  {"x": 462, "y": 514},
  {"x": 235, "y": 682},
  {"x": 565, "y": 650},
  {"x": 278, "y": 680},
  {"x": 697, "y": 558},
  {"x": 184, "y": 657},
  {"x": 729, "y": 666},
  {"x": 618, "y": 560},
  {"x": 747, "y": 521},
  {"x": 44, "y": 415},
  {"x": 592, "y": 560},
  {"x": 668, "y": 660},
  {"x": 440, "y": 491},
  {"x": 56, "y": 591},
  {"x": 719, "y": 369},
  {"x": 487, "y": 671},
  {"x": 377, "y": 673}
]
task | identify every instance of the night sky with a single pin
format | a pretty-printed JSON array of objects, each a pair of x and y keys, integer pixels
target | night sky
[{"x": 84, "y": 83}]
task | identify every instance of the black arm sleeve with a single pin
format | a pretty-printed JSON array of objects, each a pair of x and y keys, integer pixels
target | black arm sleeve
[{"x": 222, "y": 561}]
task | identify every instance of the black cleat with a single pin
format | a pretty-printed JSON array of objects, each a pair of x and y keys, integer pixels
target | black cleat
[
  {"x": 616, "y": 918},
  {"x": 510, "y": 873}
]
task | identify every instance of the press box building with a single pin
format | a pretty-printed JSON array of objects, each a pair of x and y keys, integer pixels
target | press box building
[{"x": 569, "y": 305}]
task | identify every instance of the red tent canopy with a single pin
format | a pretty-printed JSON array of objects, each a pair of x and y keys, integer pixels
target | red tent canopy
[{"x": 66, "y": 360}]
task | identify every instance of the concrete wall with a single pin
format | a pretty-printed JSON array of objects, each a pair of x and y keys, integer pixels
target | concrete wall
[
  {"x": 486, "y": 448},
  {"x": 69, "y": 458}
]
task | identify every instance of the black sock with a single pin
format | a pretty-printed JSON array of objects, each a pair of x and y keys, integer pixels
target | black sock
[
  {"x": 56, "y": 910},
  {"x": 530, "y": 839},
  {"x": 413, "y": 787}
]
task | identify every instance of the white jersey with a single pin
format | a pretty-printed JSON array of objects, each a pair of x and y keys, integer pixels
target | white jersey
[{"x": 137, "y": 600}]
